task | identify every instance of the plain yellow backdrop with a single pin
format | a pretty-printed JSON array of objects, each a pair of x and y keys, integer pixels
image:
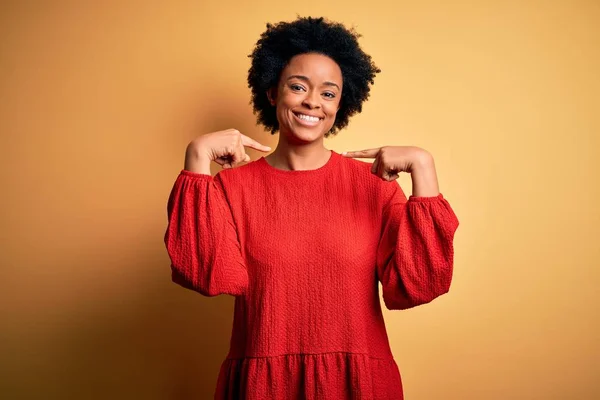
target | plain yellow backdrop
[{"x": 99, "y": 100}]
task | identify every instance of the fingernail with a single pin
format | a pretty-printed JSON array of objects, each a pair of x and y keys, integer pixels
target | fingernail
[{"x": 344, "y": 153}]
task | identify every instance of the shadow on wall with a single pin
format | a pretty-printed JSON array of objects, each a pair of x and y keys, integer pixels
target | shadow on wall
[
  {"x": 166, "y": 345},
  {"x": 137, "y": 335}
]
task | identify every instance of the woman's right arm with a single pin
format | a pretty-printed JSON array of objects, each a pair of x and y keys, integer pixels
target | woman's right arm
[{"x": 201, "y": 237}]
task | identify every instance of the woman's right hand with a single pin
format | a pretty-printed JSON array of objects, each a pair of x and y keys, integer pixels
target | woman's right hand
[{"x": 226, "y": 148}]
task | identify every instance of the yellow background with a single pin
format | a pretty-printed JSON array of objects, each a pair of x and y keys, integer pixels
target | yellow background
[{"x": 99, "y": 100}]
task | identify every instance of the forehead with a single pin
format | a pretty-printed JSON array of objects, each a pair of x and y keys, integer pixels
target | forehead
[{"x": 315, "y": 67}]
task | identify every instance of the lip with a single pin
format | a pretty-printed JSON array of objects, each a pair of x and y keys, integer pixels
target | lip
[{"x": 305, "y": 122}]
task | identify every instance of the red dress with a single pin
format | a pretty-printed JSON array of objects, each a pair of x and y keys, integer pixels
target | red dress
[{"x": 303, "y": 253}]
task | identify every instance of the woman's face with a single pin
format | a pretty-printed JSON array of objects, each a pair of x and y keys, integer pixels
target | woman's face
[{"x": 307, "y": 97}]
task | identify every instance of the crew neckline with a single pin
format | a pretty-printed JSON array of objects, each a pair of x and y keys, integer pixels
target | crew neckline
[{"x": 331, "y": 162}]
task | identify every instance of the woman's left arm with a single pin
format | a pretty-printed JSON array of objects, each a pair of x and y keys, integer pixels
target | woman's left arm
[{"x": 415, "y": 255}]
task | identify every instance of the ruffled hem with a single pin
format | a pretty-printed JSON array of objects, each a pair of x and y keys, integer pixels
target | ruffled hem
[{"x": 326, "y": 376}]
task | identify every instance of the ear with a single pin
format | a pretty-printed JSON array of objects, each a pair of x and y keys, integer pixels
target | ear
[{"x": 272, "y": 95}]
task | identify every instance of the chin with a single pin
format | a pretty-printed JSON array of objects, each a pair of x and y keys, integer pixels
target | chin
[{"x": 305, "y": 135}]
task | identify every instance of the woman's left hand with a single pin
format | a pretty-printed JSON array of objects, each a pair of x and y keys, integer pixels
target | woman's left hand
[{"x": 391, "y": 160}]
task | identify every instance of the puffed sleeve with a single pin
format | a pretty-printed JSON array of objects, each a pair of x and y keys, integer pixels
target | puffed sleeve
[
  {"x": 201, "y": 237},
  {"x": 416, "y": 253}
]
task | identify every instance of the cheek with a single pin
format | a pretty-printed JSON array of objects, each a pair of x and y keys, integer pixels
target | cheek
[
  {"x": 285, "y": 104},
  {"x": 332, "y": 110}
]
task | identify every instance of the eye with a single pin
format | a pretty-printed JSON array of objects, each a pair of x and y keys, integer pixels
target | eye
[
  {"x": 295, "y": 86},
  {"x": 329, "y": 94}
]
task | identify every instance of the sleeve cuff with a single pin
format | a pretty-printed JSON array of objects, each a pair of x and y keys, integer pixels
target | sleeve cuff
[
  {"x": 185, "y": 172},
  {"x": 425, "y": 199}
]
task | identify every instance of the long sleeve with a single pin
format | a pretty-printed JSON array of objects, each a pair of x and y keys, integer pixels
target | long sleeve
[
  {"x": 201, "y": 237},
  {"x": 415, "y": 255}
]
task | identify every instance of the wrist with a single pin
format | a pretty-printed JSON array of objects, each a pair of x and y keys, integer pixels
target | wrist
[
  {"x": 423, "y": 161},
  {"x": 197, "y": 159},
  {"x": 424, "y": 177}
]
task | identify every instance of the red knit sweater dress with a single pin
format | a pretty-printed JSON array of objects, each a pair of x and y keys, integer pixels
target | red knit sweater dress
[{"x": 303, "y": 253}]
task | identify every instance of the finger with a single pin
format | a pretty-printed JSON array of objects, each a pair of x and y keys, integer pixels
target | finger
[
  {"x": 246, "y": 141},
  {"x": 375, "y": 166},
  {"x": 390, "y": 174},
  {"x": 243, "y": 156},
  {"x": 225, "y": 160},
  {"x": 381, "y": 169},
  {"x": 368, "y": 153},
  {"x": 238, "y": 156},
  {"x": 221, "y": 161}
]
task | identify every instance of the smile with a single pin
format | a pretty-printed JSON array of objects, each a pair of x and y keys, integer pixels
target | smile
[{"x": 307, "y": 119}]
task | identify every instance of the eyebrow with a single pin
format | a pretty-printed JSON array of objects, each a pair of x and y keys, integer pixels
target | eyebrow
[{"x": 304, "y": 78}]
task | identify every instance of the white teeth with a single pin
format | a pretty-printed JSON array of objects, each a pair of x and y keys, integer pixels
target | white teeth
[{"x": 307, "y": 118}]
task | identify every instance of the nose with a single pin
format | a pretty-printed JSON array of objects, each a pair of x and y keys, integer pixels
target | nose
[{"x": 311, "y": 100}]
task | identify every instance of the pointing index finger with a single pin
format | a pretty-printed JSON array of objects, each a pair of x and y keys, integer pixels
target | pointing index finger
[
  {"x": 368, "y": 153},
  {"x": 246, "y": 141}
]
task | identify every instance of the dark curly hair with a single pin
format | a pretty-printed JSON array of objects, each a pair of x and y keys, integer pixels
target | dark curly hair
[{"x": 284, "y": 40}]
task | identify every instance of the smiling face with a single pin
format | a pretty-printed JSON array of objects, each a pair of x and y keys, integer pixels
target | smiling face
[{"x": 307, "y": 97}]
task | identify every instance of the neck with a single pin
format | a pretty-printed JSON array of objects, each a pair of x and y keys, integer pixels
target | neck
[{"x": 298, "y": 157}]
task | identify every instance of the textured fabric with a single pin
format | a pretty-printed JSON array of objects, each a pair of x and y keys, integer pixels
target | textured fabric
[{"x": 303, "y": 252}]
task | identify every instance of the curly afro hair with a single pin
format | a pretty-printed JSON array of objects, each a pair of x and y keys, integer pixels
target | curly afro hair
[{"x": 284, "y": 40}]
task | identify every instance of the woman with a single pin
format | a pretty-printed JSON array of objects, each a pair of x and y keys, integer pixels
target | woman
[{"x": 303, "y": 236}]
